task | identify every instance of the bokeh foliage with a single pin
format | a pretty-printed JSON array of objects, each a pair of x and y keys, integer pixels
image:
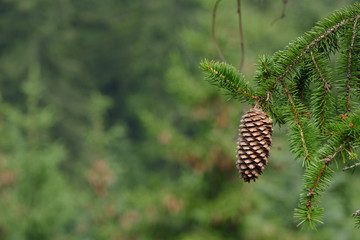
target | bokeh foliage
[{"x": 110, "y": 132}]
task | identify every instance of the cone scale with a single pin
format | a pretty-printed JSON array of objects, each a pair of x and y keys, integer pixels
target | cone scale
[{"x": 253, "y": 146}]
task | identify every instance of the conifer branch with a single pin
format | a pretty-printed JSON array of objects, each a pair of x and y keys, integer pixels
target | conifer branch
[
  {"x": 322, "y": 109},
  {"x": 294, "y": 86},
  {"x": 307, "y": 48},
  {"x": 326, "y": 84},
  {"x": 325, "y": 88},
  {"x": 298, "y": 124},
  {"x": 313, "y": 190},
  {"x": 264, "y": 103},
  {"x": 227, "y": 77},
  {"x": 348, "y": 75}
]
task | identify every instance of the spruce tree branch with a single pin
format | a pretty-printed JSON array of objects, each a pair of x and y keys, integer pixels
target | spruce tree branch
[
  {"x": 326, "y": 84},
  {"x": 349, "y": 65},
  {"x": 297, "y": 81},
  {"x": 242, "y": 47},
  {"x": 326, "y": 87},
  {"x": 224, "y": 79},
  {"x": 297, "y": 119},
  {"x": 322, "y": 110},
  {"x": 306, "y": 49},
  {"x": 265, "y": 101},
  {"x": 265, "y": 104},
  {"x": 352, "y": 166},
  {"x": 312, "y": 191},
  {"x": 213, "y": 32}
]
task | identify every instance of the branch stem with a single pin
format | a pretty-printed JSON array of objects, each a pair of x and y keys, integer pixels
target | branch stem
[
  {"x": 242, "y": 47},
  {"x": 352, "y": 166},
  {"x": 282, "y": 13},
  {"x": 213, "y": 32}
]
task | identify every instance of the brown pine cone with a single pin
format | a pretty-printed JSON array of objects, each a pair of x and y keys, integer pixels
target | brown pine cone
[{"x": 254, "y": 143}]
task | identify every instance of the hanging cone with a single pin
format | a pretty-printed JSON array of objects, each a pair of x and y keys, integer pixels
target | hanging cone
[{"x": 254, "y": 143}]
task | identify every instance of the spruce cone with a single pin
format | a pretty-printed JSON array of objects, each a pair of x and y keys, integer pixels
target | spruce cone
[{"x": 254, "y": 143}]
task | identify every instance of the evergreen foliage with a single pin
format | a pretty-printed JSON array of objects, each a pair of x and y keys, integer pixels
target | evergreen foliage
[
  {"x": 312, "y": 87},
  {"x": 227, "y": 77}
]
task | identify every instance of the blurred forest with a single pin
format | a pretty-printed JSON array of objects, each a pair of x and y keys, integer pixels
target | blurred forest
[{"x": 109, "y": 130}]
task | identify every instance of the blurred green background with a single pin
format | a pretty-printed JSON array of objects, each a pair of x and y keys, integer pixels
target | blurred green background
[{"x": 109, "y": 131}]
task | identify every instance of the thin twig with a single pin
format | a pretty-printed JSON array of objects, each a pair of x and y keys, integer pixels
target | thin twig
[
  {"x": 349, "y": 66},
  {"x": 352, "y": 166},
  {"x": 213, "y": 31},
  {"x": 282, "y": 13},
  {"x": 241, "y": 36}
]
